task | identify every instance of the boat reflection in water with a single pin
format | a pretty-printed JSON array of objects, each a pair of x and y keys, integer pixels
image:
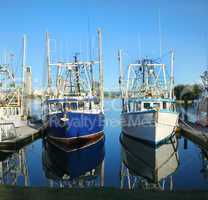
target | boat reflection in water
[
  {"x": 82, "y": 167},
  {"x": 13, "y": 168},
  {"x": 145, "y": 167}
]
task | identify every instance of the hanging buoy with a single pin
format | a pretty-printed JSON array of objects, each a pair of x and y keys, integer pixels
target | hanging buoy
[{"x": 65, "y": 119}]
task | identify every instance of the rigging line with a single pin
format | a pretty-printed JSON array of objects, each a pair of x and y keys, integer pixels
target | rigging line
[
  {"x": 160, "y": 34},
  {"x": 140, "y": 45},
  {"x": 89, "y": 40},
  {"x": 206, "y": 50},
  {"x": 164, "y": 55}
]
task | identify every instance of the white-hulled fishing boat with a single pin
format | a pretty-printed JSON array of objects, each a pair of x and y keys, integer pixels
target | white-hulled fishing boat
[{"x": 149, "y": 112}]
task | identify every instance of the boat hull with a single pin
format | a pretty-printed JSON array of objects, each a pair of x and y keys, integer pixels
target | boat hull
[
  {"x": 152, "y": 127},
  {"x": 70, "y": 126}
]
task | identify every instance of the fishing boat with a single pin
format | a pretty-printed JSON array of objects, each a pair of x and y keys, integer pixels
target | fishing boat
[
  {"x": 73, "y": 109},
  {"x": 80, "y": 167},
  {"x": 13, "y": 111},
  {"x": 202, "y": 103},
  {"x": 148, "y": 102},
  {"x": 148, "y": 167}
]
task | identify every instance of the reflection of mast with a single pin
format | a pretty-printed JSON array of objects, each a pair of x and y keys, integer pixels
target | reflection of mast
[
  {"x": 23, "y": 166},
  {"x": 92, "y": 178},
  {"x": 13, "y": 167},
  {"x": 134, "y": 182},
  {"x": 102, "y": 172},
  {"x": 204, "y": 169}
]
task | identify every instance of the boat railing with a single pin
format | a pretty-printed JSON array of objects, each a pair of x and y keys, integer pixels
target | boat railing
[{"x": 10, "y": 111}]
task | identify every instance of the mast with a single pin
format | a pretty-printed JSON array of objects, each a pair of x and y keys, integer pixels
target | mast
[
  {"x": 77, "y": 74},
  {"x": 48, "y": 63},
  {"x": 23, "y": 106},
  {"x": 172, "y": 75},
  {"x": 100, "y": 58},
  {"x": 164, "y": 76},
  {"x": 160, "y": 35},
  {"x": 121, "y": 76},
  {"x": 120, "y": 72},
  {"x": 90, "y": 58}
]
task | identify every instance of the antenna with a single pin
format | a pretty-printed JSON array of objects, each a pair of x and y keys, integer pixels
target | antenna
[
  {"x": 160, "y": 34},
  {"x": 89, "y": 40},
  {"x": 172, "y": 75},
  {"x": 90, "y": 56},
  {"x": 48, "y": 63},
  {"x": 140, "y": 45},
  {"x": 206, "y": 50}
]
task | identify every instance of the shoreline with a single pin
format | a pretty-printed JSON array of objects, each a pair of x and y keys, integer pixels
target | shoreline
[{"x": 19, "y": 192}]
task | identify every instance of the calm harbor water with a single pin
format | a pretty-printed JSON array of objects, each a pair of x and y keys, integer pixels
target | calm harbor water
[{"x": 177, "y": 165}]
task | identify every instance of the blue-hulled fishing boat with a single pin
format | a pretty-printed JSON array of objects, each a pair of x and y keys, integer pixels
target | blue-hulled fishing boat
[{"x": 73, "y": 108}]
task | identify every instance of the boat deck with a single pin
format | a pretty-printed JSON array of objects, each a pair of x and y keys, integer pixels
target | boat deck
[{"x": 25, "y": 134}]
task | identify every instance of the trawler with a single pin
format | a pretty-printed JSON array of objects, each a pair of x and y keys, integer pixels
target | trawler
[
  {"x": 73, "y": 109},
  {"x": 149, "y": 112},
  {"x": 202, "y": 104},
  {"x": 13, "y": 109}
]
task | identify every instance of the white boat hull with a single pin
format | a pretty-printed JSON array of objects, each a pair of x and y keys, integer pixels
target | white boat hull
[{"x": 152, "y": 126}]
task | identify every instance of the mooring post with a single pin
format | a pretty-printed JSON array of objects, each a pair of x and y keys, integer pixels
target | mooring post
[
  {"x": 186, "y": 110},
  {"x": 23, "y": 100}
]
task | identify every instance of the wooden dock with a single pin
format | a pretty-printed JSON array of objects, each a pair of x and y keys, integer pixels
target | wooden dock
[
  {"x": 24, "y": 135},
  {"x": 195, "y": 133}
]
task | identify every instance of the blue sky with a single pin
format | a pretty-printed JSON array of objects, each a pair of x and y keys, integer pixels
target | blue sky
[{"x": 184, "y": 27}]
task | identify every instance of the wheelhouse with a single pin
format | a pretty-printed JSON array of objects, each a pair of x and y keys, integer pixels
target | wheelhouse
[
  {"x": 72, "y": 104},
  {"x": 136, "y": 105}
]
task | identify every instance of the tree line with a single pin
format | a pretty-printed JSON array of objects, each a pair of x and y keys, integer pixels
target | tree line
[{"x": 188, "y": 92}]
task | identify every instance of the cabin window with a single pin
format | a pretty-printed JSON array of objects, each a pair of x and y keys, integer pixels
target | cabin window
[
  {"x": 172, "y": 107},
  {"x": 59, "y": 106},
  {"x": 129, "y": 107},
  {"x": 138, "y": 106},
  {"x": 164, "y": 105},
  {"x": 74, "y": 106},
  {"x": 66, "y": 106},
  {"x": 81, "y": 104},
  {"x": 156, "y": 105},
  {"x": 147, "y": 105},
  {"x": 53, "y": 107},
  {"x": 90, "y": 105},
  {"x": 96, "y": 101}
]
